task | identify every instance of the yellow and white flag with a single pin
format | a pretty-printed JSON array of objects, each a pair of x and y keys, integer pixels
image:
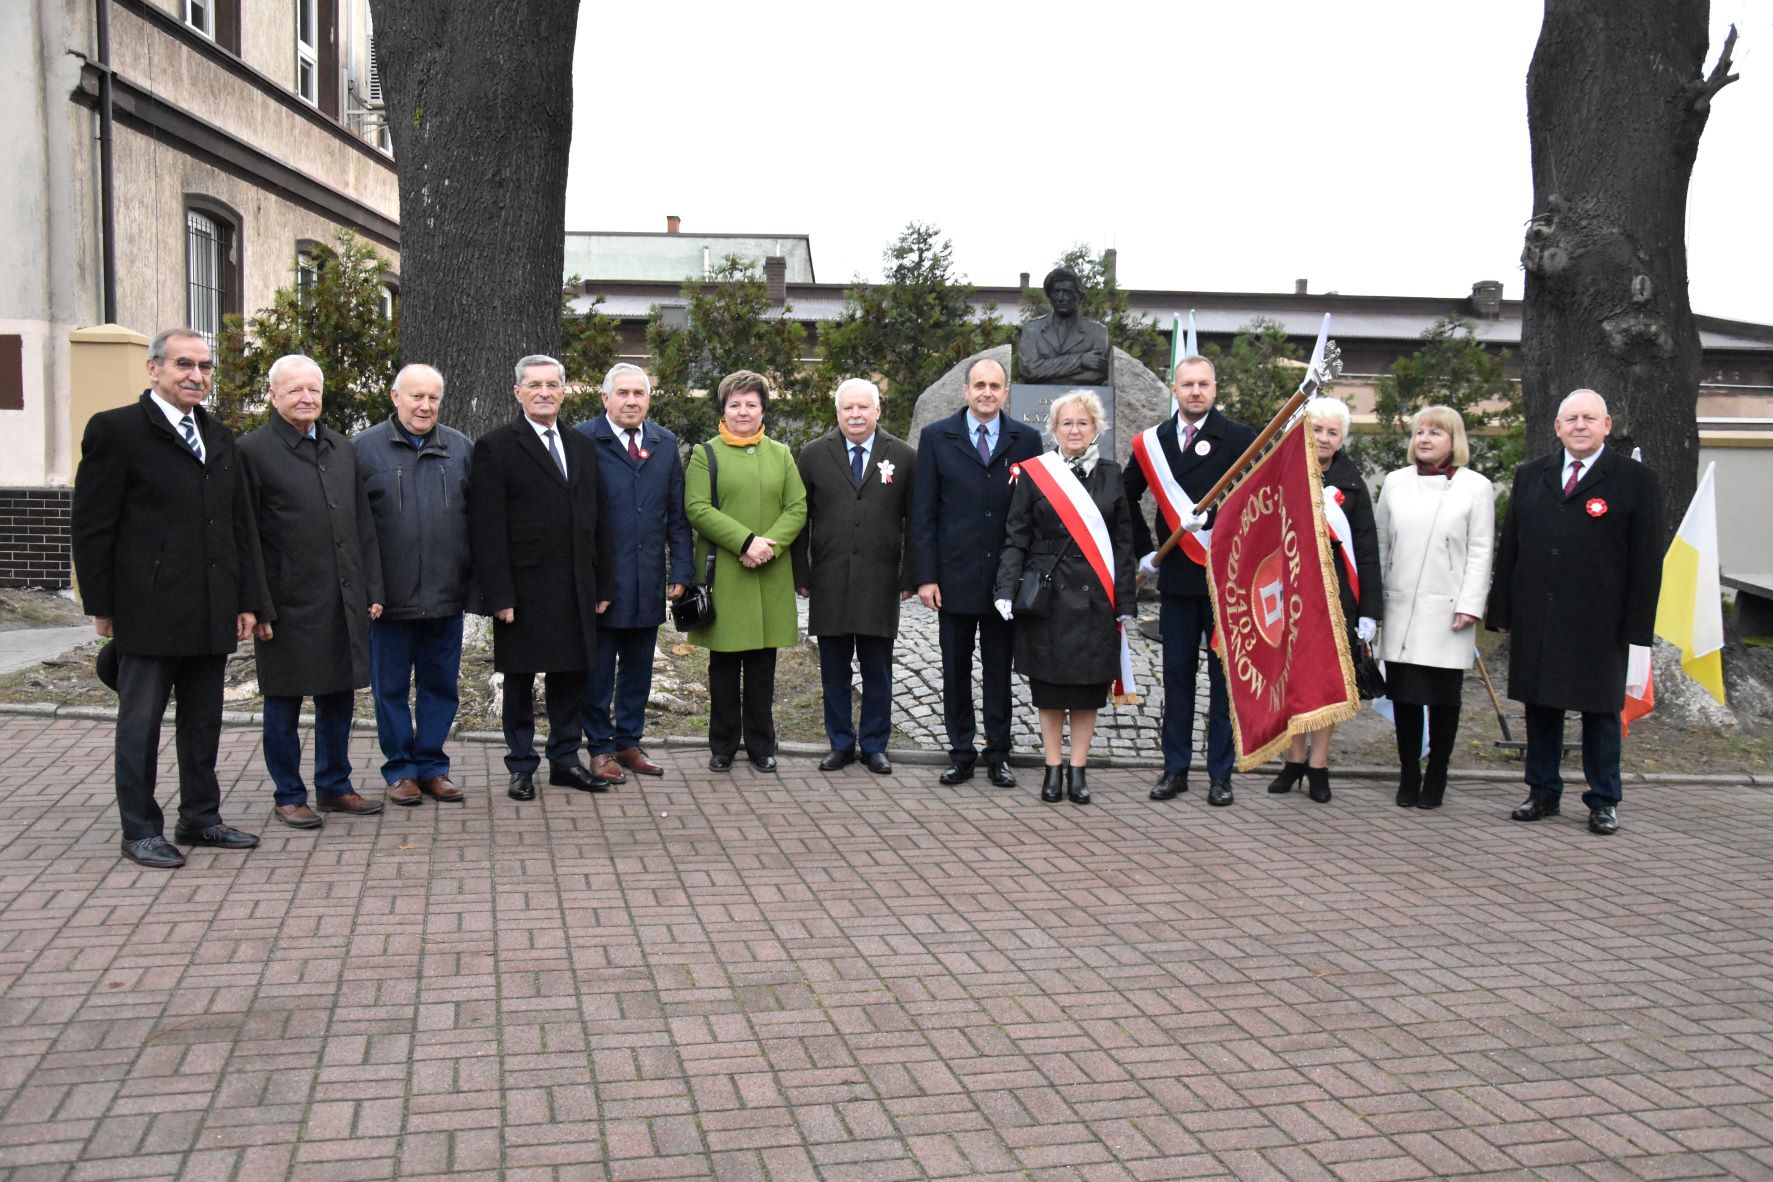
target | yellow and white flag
[{"x": 1690, "y": 611}]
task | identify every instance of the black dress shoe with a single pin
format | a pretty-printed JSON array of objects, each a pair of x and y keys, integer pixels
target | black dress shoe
[
  {"x": 878, "y": 763},
  {"x": 838, "y": 759},
  {"x": 764, "y": 763},
  {"x": 1000, "y": 775},
  {"x": 1290, "y": 775},
  {"x": 1077, "y": 785},
  {"x": 720, "y": 763},
  {"x": 1532, "y": 809},
  {"x": 156, "y": 853},
  {"x": 1604, "y": 820},
  {"x": 958, "y": 773},
  {"x": 574, "y": 775},
  {"x": 522, "y": 787},
  {"x": 220, "y": 836},
  {"x": 1170, "y": 786},
  {"x": 1052, "y": 785},
  {"x": 1319, "y": 780},
  {"x": 1219, "y": 792}
]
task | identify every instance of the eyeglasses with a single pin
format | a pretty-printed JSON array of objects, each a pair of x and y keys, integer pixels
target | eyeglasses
[
  {"x": 186, "y": 365},
  {"x": 533, "y": 387}
]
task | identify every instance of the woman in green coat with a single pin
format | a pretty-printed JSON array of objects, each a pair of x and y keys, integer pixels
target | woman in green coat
[{"x": 762, "y": 509}]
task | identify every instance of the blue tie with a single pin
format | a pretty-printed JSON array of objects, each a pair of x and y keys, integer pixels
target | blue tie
[
  {"x": 984, "y": 446},
  {"x": 190, "y": 430},
  {"x": 856, "y": 464}
]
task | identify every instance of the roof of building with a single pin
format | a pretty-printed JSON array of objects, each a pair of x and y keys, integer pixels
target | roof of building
[{"x": 666, "y": 257}]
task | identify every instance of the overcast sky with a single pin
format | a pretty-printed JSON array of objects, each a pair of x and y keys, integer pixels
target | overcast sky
[{"x": 1370, "y": 146}]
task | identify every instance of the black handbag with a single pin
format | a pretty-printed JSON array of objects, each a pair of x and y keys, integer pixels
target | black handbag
[
  {"x": 1034, "y": 590},
  {"x": 1369, "y": 678},
  {"x": 694, "y": 610}
]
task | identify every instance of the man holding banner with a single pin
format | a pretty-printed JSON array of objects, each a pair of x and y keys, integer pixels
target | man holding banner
[{"x": 1177, "y": 461}]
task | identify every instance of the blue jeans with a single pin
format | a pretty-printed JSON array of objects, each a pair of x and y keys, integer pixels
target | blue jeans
[
  {"x": 332, "y": 743},
  {"x": 402, "y": 652},
  {"x": 874, "y": 654},
  {"x": 621, "y": 669},
  {"x": 1600, "y": 756},
  {"x": 1185, "y": 622}
]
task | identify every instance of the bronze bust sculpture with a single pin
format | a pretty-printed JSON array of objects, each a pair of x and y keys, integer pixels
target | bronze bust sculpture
[{"x": 1063, "y": 348}]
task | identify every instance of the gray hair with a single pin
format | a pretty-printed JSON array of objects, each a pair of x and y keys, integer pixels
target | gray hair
[
  {"x": 622, "y": 367},
  {"x": 1330, "y": 408},
  {"x": 855, "y": 384},
  {"x": 535, "y": 359},
  {"x": 290, "y": 361},
  {"x": 1576, "y": 393},
  {"x": 157, "y": 350},
  {"x": 419, "y": 367},
  {"x": 1087, "y": 399}
]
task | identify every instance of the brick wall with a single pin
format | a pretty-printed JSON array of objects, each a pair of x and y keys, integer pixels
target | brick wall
[{"x": 34, "y": 537}]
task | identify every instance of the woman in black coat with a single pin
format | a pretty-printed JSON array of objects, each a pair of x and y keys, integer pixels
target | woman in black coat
[
  {"x": 1345, "y": 489},
  {"x": 1071, "y": 653}
]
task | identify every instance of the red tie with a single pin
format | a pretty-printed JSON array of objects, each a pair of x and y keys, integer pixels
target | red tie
[
  {"x": 1575, "y": 475},
  {"x": 633, "y": 445}
]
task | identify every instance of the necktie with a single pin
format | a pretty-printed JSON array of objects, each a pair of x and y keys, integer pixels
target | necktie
[
  {"x": 634, "y": 445},
  {"x": 1575, "y": 475},
  {"x": 1187, "y": 437},
  {"x": 554, "y": 452},
  {"x": 856, "y": 464},
  {"x": 189, "y": 427},
  {"x": 984, "y": 446}
]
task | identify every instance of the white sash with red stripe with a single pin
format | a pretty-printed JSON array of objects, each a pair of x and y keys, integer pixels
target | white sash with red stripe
[
  {"x": 1337, "y": 520},
  {"x": 1172, "y": 502},
  {"x": 1087, "y": 527}
]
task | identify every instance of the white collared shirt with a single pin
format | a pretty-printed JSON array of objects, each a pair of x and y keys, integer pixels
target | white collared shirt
[
  {"x": 175, "y": 416},
  {"x": 1182, "y": 426},
  {"x": 867, "y": 446},
  {"x": 559, "y": 440},
  {"x": 1587, "y": 465}
]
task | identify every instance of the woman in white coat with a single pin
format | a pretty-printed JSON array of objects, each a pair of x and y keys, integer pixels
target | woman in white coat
[{"x": 1437, "y": 526}]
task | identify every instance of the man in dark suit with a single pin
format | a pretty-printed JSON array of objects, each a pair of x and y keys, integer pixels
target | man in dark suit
[
  {"x": 1198, "y": 446},
  {"x": 541, "y": 549},
  {"x": 641, "y": 476},
  {"x": 959, "y": 507},
  {"x": 1578, "y": 571},
  {"x": 852, "y": 561},
  {"x": 162, "y": 542}
]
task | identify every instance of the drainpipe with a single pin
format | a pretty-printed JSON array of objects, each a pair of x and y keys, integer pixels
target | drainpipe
[{"x": 107, "y": 196}]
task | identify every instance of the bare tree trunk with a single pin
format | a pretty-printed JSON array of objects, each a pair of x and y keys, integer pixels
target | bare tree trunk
[
  {"x": 1616, "y": 99},
  {"x": 480, "y": 108}
]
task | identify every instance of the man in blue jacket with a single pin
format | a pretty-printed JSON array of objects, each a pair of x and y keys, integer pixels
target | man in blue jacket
[
  {"x": 642, "y": 481},
  {"x": 961, "y": 500},
  {"x": 415, "y": 471}
]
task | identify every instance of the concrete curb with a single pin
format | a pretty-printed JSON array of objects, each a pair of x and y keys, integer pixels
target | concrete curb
[{"x": 919, "y": 757}]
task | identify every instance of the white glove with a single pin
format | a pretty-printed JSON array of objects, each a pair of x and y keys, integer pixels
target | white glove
[
  {"x": 1366, "y": 629},
  {"x": 1003, "y": 608},
  {"x": 1194, "y": 522},
  {"x": 1148, "y": 565},
  {"x": 1124, "y": 619}
]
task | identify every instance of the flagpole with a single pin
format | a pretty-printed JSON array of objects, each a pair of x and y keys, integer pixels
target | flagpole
[{"x": 1307, "y": 390}]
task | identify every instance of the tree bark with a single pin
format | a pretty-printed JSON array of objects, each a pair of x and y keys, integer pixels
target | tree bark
[
  {"x": 1617, "y": 98},
  {"x": 479, "y": 102}
]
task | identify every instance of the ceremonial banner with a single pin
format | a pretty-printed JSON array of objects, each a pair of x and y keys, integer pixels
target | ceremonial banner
[{"x": 1280, "y": 631}]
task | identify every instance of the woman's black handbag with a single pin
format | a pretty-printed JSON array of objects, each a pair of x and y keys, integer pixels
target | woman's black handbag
[
  {"x": 1034, "y": 591},
  {"x": 1369, "y": 678},
  {"x": 694, "y": 610}
]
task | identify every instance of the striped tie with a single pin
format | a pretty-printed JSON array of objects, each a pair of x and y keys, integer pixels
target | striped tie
[{"x": 189, "y": 427}]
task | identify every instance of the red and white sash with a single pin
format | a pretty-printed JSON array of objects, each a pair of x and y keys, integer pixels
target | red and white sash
[
  {"x": 1084, "y": 522},
  {"x": 1337, "y": 520},
  {"x": 1172, "y": 502}
]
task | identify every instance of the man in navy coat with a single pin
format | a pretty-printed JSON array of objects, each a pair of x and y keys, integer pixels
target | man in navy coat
[
  {"x": 1199, "y": 446},
  {"x": 1578, "y": 572},
  {"x": 641, "y": 475},
  {"x": 960, "y": 502}
]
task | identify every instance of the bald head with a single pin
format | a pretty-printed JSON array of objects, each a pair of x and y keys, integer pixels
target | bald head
[
  {"x": 417, "y": 396},
  {"x": 1583, "y": 423}
]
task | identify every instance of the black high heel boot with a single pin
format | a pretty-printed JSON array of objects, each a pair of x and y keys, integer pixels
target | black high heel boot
[
  {"x": 1443, "y": 726},
  {"x": 1409, "y": 784},
  {"x": 1052, "y": 789},
  {"x": 1290, "y": 775},
  {"x": 1077, "y": 785},
  {"x": 1319, "y": 777},
  {"x": 1434, "y": 784}
]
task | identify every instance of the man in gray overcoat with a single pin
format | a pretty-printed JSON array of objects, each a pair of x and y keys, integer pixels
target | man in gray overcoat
[
  {"x": 853, "y": 563},
  {"x": 323, "y": 585}
]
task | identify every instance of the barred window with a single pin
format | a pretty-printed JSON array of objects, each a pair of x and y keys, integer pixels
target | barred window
[{"x": 211, "y": 283}]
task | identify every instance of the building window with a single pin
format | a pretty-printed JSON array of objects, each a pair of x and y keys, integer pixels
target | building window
[
  {"x": 200, "y": 15},
  {"x": 308, "y": 264},
  {"x": 212, "y": 284},
  {"x": 390, "y": 297},
  {"x": 308, "y": 51}
]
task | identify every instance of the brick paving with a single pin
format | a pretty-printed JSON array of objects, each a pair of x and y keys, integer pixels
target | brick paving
[{"x": 846, "y": 977}]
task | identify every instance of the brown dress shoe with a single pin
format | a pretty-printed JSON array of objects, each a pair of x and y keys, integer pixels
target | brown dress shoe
[
  {"x": 635, "y": 760},
  {"x": 404, "y": 792},
  {"x": 605, "y": 767},
  {"x": 439, "y": 788},
  {"x": 352, "y": 803},
  {"x": 298, "y": 816}
]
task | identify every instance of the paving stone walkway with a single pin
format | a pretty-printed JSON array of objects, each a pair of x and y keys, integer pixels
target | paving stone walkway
[{"x": 851, "y": 977}]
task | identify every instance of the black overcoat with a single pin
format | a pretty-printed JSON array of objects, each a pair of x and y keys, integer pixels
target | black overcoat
[
  {"x": 541, "y": 546},
  {"x": 1077, "y": 641},
  {"x": 162, "y": 541},
  {"x": 322, "y": 566},
  {"x": 852, "y": 557},
  {"x": 1224, "y": 441},
  {"x": 1577, "y": 579},
  {"x": 1357, "y": 504},
  {"x": 959, "y": 506}
]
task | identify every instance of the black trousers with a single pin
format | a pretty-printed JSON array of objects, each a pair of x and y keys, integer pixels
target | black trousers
[
  {"x": 1600, "y": 756},
  {"x": 143, "y": 686},
  {"x": 997, "y": 643},
  {"x": 741, "y": 702},
  {"x": 565, "y": 696}
]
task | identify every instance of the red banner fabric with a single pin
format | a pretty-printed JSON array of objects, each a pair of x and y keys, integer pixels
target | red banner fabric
[{"x": 1281, "y": 633}]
